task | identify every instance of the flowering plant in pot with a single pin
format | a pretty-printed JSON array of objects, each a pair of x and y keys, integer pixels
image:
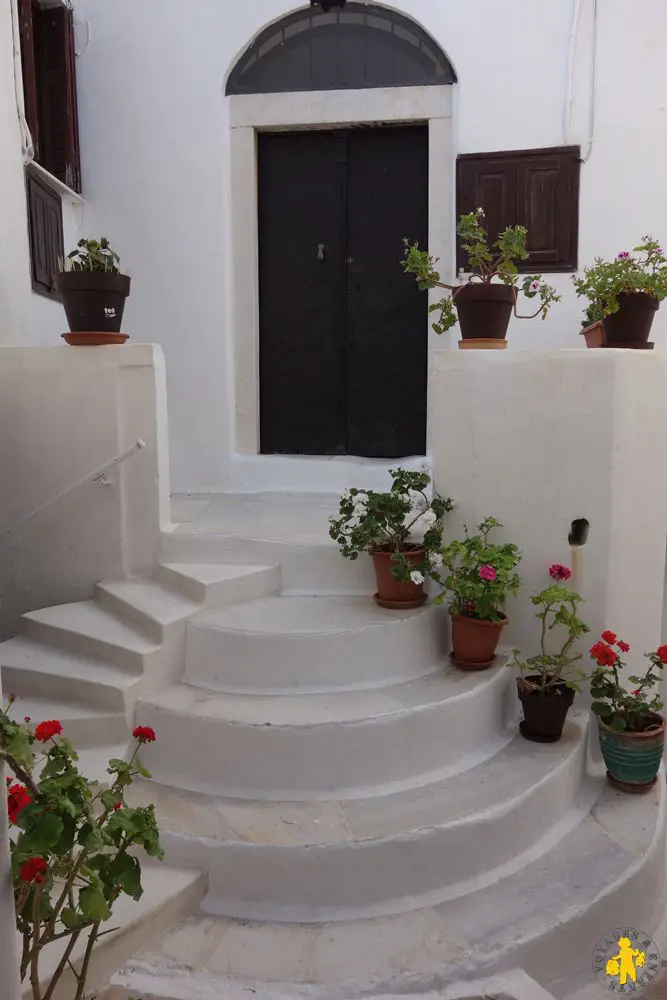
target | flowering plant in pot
[
  {"x": 478, "y": 576},
  {"x": 93, "y": 292},
  {"x": 630, "y": 727},
  {"x": 550, "y": 678},
  {"x": 73, "y": 848},
  {"x": 485, "y": 302},
  {"x": 625, "y": 293},
  {"x": 402, "y": 531}
]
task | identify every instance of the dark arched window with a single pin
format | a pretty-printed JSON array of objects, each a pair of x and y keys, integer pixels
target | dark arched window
[{"x": 362, "y": 46}]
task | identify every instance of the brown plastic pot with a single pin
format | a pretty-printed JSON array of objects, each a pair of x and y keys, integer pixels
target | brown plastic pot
[
  {"x": 94, "y": 301},
  {"x": 475, "y": 642},
  {"x": 393, "y": 593},
  {"x": 631, "y": 325},
  {"x": 484, "y": 310},
  {"x": 94, "y": 339},
  {"x": 544, "y": 714}
]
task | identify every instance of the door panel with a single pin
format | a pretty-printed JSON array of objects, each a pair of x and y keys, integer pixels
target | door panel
[
  {"x": 387, "y": 184},
  {"x": 343, "y": 332},
  {"x": 300, "y": 296}
]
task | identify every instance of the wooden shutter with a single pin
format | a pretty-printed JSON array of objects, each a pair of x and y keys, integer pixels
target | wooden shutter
[
  {"x": 45, "y": 223},
  {"x": 535, "y": 188},
  {"x": 56, "y": 79},
  {"x": 29, "y": 69}
]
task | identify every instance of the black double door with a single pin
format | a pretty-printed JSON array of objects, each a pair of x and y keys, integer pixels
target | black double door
[{"x": 343, "y": 330}]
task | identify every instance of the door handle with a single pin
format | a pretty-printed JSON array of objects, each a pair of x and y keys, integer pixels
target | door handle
[{"x": 321, "y": 251}]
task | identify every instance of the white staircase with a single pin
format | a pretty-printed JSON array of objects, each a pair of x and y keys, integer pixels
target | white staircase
[{"x": 368, "y": 816}]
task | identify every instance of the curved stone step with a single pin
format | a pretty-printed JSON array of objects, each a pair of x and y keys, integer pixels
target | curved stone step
[
  {"x": 309, "y": 644},
  {"x": 368, "y": 857},
  {"x": 309, "y": 564},
  {"x": 308, "y": 746},
  {"x": 547, "y": 917}
]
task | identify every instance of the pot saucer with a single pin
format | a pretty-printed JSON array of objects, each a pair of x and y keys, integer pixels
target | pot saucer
[
  {"x": 400, "y": 605},
  {"x": 472, "y": 666},
  {"x": 94, "y": 339},
  {"x": 626, "y": 786}
]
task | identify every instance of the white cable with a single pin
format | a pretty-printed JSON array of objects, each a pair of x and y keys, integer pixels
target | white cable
[
  {"x": 569, "y": 93},
  {"x": 593, "y": 91}
]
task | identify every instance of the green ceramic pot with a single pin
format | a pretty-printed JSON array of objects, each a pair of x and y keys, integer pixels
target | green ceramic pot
[{"x": 633, "y": 759}]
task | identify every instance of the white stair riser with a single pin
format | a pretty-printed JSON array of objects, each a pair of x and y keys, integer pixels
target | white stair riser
[
  {"x": 399, "y": 649},
  {"x": 129, "y": 660},
  {"x": 306, "y": 569},
  {"x": 28, "y": 683},
  {"x": 375, "y": 877},
  {"x": 245, "y": 587},
  {"x": 281, "y": 762},
  {"x": 125, "y": 609}
]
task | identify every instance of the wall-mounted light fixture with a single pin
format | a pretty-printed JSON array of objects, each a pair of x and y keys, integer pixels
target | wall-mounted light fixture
[{"x": 328, "y": 5}]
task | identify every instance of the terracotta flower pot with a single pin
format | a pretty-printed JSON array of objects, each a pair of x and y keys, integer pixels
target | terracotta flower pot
[
  {"x": 393, "y": 593},
  {"x": 632, "y": 759},
  {"x": 478, "y": 344},
  {"x": 475, "y": 642},
  {"x": 631, "y": 325},
  {"x": 544, "y": 714},
  {"x": 594, "y": 334},
  {"x": 484, "y": 310}
]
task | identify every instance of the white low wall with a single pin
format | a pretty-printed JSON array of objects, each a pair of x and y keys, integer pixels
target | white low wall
[
  {"x": 64, "y": 412},
  {"x": 539, "y": 438}
]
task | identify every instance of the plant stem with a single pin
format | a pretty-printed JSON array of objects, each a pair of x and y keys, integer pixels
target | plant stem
[
  {"x": 34, "y": 958},
  {"x": 20, "y": 773},
  {"x": 25, "y": 952},
  {"x": 86, "y": 962},
  {"x": 57, "y": 975}
]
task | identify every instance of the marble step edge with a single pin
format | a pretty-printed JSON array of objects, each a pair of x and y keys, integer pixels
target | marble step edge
[
  {"x": 376, "y": 868},
  {"x": 390, "y": 746}
]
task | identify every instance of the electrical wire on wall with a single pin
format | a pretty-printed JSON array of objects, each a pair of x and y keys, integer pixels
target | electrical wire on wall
[{"x": 569, "y": 94}]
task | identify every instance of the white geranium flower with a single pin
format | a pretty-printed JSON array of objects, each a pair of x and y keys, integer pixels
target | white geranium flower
[
  {"x": 416, "y": 576},
  {"x": 435, "y": 559},
  {"x": 428, "y": 519},
  {"x": 417, "y": 500},
  {"x": 345, "y": 495}
]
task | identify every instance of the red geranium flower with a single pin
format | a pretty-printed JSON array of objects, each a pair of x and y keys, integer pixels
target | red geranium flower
[
  {"x": 661, "y": 653},
  {"x": 636, "y": 691},
  {"x": 18, "y": 798},
  {"x": 623, "y": 646},
  {"x": 603, "y": 654},
  {"x": 144, "y": 734},
  {"x": 47, "y": 730},
  {"x": 559, "y": 572},
  {"x": 119, "y": 805},
  {"x": 610, "y": 637},
  {"x": 33, "y": 870}
]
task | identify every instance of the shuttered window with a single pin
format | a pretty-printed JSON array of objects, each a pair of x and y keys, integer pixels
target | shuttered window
[
  {"x": 49, "y": 85},
  {"x": 45, "y": 228},
  {"x": 535, "y": 188}
]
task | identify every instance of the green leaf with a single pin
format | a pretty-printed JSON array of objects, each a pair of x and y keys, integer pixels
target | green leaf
[
  {"x": 600, "y": 708},
  {"x": 109, "y": 798},
  {"x": 93, "y": 904},
  {"x": 618, "y": 724},
  {"x": 20, "y": 748},
  {"x": 72, "y": 919},
  {"x": 125, "y": 871},
  {"x": 90, "y": 837}
]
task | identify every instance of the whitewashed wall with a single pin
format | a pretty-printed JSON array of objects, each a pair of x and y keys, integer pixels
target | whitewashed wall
[{"x": 154, "y": 127}]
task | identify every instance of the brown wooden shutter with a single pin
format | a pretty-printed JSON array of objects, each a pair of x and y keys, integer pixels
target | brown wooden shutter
[
  {"x": 59, "y": 141},
  {"x": 29, "y": 69},
  {"x": 45, "y": 226},
  {"x": 536, "y": 188}
]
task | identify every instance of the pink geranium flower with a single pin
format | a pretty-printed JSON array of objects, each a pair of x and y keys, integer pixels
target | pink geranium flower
[
  {"x": 487, "y": 573},
  {"x": 559, "y": 572}
]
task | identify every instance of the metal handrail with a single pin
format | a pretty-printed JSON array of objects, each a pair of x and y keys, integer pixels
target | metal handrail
[{"x": 96, "y": 475}]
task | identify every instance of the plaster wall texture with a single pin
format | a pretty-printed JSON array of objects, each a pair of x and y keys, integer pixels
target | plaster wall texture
[
  {"x": 63, "y": 414},
  {"x": 543, "y": 438}
]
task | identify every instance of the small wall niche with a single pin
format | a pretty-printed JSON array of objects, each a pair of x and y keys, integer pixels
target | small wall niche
[{"x": 578, "y": 534}]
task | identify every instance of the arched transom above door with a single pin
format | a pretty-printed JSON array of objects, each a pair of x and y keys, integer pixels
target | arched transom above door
[{"x": 363, "y": 46}]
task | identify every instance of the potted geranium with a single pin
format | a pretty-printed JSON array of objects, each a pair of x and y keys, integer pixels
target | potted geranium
[
  {"x": 402, "y": 531},
  {"x": 479, "y": 577},
  {"x": 549, "y": 679},
  {"x": 631, "y": 730},
  {"x": 484, "y": 302},
  {"x": 93, "y": 292},
  {"x": 74, "y": 846},
  {"x": 624, "y": 294}
]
